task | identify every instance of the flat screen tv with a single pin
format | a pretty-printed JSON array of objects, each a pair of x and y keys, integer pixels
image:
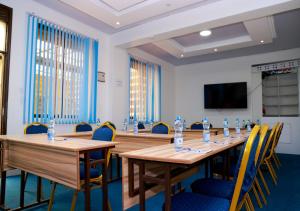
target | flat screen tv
[{"x": 225, "y": 96}]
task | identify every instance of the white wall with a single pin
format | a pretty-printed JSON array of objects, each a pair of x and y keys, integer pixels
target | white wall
[
  {"x": 189, "y": 100},
  {"x": 21, "y": 9},
  {"x": 120, "y": 84}
]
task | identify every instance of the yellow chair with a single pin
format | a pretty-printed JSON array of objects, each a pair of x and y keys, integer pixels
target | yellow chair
[
  {"x": 161, "y": 128},
  {"x": 274, "y": 155},
  {"x": 103, "y": 133},
  {"x": 83, "y": 127},
  {"x": 110, "y": 123},
  {"x": 197, "y": 126}
]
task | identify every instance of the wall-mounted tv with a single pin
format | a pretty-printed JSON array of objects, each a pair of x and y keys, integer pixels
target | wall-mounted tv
[{"x": 224, "y": 96}]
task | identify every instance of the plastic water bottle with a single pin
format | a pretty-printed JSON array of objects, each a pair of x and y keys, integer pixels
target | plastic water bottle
[
  {"x": 244, "y": 124},
  {"x": 237, "y": 126},
  {"x": 258, "y": 122},
  {"x": 206, "y": 132},
  {"x": 98, "y": 122},
  {"x": 248, "y": 126},
  {"x": 51, "y": 132},
  {"x": 178, "y": 139},
  {"x": 135, "y": 127},
  {"x": 226, "y": 129},
  {"x": 184, "y": 124},
  {"x": 151, "y": 125},
  {"x": 125, "y": 125}
]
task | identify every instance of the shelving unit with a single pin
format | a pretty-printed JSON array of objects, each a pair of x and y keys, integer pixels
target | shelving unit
[{"x": 281, "y": 95}]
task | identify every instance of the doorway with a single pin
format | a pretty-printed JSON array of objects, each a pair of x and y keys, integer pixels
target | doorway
[{"x": 5, "y": 39}]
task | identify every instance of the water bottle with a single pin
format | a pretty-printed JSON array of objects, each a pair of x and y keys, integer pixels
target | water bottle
[
  {"x": 151, "y": 125},
  {"x": 51, "y": 132},
  {"x": 135, "y": 127},
  {"x": 237, "y": 126},
  {"x": 248, "y": 126},
  {"x": 125, "y": 125},
  {"x": 184, "y": 124},
  {"x": 226, "y": 129},
  {"x": 98, "y": 122},
  {"x": 178, "y": 139},
  {"x": 258, "y": 122},
  {"x": 206, "y": 132}
]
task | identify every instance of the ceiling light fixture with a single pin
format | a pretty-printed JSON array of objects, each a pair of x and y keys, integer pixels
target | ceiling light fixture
[
  {"x": 181, "y": 55},
  {"x": 262, "y": 41},
  {"x": 117, "y": 23},
  {"x": 205, "y": 33},
  {"x": 215, "y": 50}
]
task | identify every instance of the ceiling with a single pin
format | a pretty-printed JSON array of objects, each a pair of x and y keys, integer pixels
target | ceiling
[{"x": 169, "y": 29}]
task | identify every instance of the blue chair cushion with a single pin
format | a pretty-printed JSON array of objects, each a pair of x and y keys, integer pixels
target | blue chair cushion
[
  {"x": 198, "y": 202},
  {"x": 36, "y": 129},
  {"x": 197, "y": 127},
  {"x": 94, "y": 172},
  {"x": 101, "y": 134},
  {"x": 160, "y": 129},
  {"x": 83, "y": 128},
  {"x": 214, "y": 187},
  {"x": 141, "y": 126}
]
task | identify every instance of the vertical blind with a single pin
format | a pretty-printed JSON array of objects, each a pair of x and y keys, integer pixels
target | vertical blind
[
  {"x": 60, "y": 75},
  {"x": 145, "y": 91}
]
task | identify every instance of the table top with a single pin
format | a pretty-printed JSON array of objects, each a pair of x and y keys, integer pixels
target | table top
[
  {"x": 191, "y": 152},
  {"x": 68, "y": 144}
]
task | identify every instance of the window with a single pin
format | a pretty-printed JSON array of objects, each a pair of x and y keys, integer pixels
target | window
[
  {"x": 59, "y": 65},
  {"x": 145, "y": 93}
]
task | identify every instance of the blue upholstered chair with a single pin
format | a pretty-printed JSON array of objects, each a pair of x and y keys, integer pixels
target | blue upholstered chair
[
  {"x": 160, "y": 128},
  {"x": 35, "y": 128},
  {"x": 196, "y": 126},
  {"x": 141, "y": 126},
  {"x": 237, "y": 198},
  {"x": 223, "y": 188},
  {"x": 103, "y": 133},
  {"x": 83, "y": 127},
  {"x": 110, "y": 123}
]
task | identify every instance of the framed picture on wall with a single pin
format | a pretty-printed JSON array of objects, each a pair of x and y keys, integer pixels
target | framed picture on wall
[{"x": 101, "y": 76}]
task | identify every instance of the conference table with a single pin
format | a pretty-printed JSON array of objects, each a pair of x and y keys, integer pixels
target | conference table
[
  {"x": 169, "y": 161},
  {"x": 58, "y": 161}
]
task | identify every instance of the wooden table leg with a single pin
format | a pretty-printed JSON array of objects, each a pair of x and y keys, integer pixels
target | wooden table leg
[
  {"x": 206, "y": 168},
  {"x": 141, "y": 186},
  {"x": 227, "y": 160},
  {"x": 22, "y": 188},
  {"x": 39, "y": 189},
  {"x": 167, "y": 188},
  {"x": 104, "y": 182},
  {"x": 118, "y": 167},
  {"x": 87, "y": 193}
]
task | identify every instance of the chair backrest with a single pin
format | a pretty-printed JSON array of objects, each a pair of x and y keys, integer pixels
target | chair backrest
[
  {"x": 160, "y": 128},
  {"x": 271, "y": 147},
  {"x": 279, "y": 134},
  {"x": 141, "y": 126},
  {"x": 83, "y": 127},
  {"x": 246, "y": 154},
  {"x": 103, "y": 133},
  {"x": 197, "y": 126},
  {"x": 111, "y": 124},
  {"x": 35, "y": 128}
]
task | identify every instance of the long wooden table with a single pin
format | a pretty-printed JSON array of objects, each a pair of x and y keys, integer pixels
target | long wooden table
[
  {"x": 56, "y": 160},
  {"x": 167, "y": 159}
]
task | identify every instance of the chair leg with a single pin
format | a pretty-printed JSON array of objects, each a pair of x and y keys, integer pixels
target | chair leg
[
  {"x": 256, "y": 196},
  {"x": 264, "y": 181},
  {"x": 260, "y": 190},
  {"x": 272, "y": 168},
  {"x": 250, "y": 202},
  {"x": 247, "y": 205},
  {"x": 277, "y": 158},
  {"x": 275, "y": 161},
  {"x": 271, "y": 172},
  {"x": 75, "y": 195},
  {"x": 52, "y": 196}
]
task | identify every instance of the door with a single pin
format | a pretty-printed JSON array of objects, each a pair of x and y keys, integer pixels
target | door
[{"x": 5, "y": 37}]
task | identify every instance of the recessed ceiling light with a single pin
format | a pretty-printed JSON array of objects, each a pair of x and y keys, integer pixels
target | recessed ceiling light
[
  {"x": 205, "y": 33},
  {"x": 262, "y": 41},
  {"x": 181, "y": 55},
  {"x": 215, "y": 50},
  {"x": 117, "y": 23}
]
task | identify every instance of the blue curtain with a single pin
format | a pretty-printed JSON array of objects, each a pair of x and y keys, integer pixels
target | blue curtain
[{"x": 57, "y": 74}]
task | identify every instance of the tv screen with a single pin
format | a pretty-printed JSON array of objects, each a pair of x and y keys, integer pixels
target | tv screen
[{"x": 227, "y": 95}]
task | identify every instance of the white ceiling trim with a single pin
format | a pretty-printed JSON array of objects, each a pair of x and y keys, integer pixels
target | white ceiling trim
[{"x": 197, "y": 19}]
